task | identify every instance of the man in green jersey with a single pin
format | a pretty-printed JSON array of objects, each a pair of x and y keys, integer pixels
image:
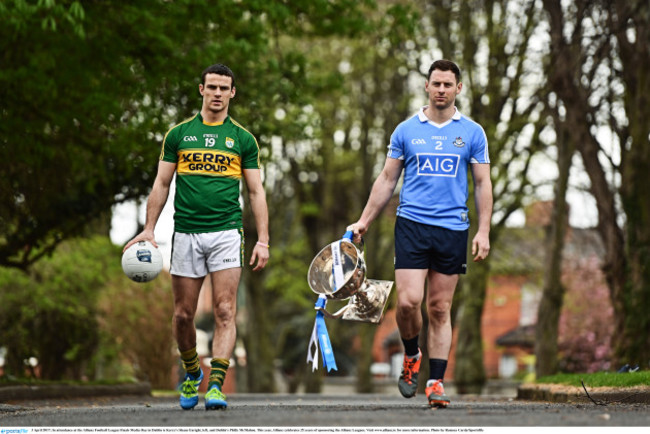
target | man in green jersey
[{"x": 209, "y": 153}]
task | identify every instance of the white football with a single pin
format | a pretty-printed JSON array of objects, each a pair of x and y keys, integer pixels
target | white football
[{"x": 142, "y": 262}]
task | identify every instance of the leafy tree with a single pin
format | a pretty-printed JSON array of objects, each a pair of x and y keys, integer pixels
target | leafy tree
[
  {"x": 93, "y": 88},
  {"x": 80, "y": 102}
]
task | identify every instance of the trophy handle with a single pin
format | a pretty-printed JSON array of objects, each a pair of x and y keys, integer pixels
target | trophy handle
[
  {"x": 349, "y": 236},
  {"x": 335, "y": 315}
]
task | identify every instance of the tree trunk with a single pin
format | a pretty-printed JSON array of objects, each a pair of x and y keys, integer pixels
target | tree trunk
[
  {"x": 364, "y": 377},
  {"x": 615, "y": 260},
  {"x": 634, "y": 343},
  {"x": 550, "y": 307},
  {"x": 469, "y": 371},
  {"x": 260, "y": 350}
]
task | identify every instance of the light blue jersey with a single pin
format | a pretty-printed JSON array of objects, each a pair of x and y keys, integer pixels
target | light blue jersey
[{"x": 436, "y": 159}]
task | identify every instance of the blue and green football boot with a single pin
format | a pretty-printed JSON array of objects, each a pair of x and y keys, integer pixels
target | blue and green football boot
[{"x": 190, "y": 391}]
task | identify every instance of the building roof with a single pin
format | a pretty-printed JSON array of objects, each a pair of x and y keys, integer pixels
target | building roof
[
  {"x": 522, "y": 336},
  {"x": 520, "y": 251}
]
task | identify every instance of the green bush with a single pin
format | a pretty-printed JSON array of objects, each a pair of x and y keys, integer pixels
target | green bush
[
  {"x": 50, "y": 312},
  {"x": 135, "y": 324},
  {"x": 82, "y": 318}
]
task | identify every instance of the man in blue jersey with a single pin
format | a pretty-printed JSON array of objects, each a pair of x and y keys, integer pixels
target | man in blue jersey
[{"x": 435, "y": 148}]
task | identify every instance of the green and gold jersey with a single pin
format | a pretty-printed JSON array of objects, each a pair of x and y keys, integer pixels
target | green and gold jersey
[{"x": 209, "y": 162}]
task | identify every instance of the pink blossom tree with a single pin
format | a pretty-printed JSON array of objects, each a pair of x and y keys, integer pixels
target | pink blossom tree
[{"x": 586, "y": 321}]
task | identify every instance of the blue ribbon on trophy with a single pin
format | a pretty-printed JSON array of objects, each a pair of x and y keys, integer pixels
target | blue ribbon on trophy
[
  {"x": 338, "y": 272},
  {"x": 319, "y": 335}
]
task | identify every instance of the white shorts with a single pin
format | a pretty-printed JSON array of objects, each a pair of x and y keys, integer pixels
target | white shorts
[{"x": 196, "y": 255}]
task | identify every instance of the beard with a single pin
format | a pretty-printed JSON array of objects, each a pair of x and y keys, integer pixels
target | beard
[{"x": 441, "y": 105}]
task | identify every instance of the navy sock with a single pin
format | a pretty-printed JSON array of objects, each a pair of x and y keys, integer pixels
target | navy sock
[
  {"x": 437, "y": 368},
  {"x": 411, "y": 347}
]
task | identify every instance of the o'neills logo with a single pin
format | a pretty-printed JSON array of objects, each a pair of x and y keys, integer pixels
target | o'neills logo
[{"x": 208, "y": 162}]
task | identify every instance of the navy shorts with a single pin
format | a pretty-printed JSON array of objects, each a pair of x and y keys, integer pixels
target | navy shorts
[{"x": 420, "y": 246}]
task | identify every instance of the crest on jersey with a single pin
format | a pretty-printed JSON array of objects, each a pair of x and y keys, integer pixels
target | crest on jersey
[
  {"x": 459, "y": 142},
  {"x": 230, "y": 142}
]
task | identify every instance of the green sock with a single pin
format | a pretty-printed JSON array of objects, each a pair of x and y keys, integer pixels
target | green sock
[
  {"x": 218, "y": 372},
  {"x": 191, "y": 362}
]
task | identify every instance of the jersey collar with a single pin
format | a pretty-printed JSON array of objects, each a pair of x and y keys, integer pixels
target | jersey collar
[
  {"x": 213, "y": 124},
  {"x": 423, "y": 118}
]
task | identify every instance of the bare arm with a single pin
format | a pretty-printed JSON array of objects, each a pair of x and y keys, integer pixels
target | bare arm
[
  {"x": 257, "y": 197},
  {"x": 382, "y": 191},
  {"x": 483, "y": 199},
  {"x": 156, "y": 202}
]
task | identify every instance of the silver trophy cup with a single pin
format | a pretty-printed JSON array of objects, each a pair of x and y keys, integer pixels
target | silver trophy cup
[{"x": 367, "y": 296}]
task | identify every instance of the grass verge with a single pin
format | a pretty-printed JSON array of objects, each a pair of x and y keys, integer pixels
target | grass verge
[{"x": 599, "y": 379}]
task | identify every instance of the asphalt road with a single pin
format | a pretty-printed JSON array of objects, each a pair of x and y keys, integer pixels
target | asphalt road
[{"x": 351, "y": 411}]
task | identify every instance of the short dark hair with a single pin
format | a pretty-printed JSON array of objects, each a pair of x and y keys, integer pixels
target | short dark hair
[
  {"x": 445, "y": 65},
  {"x": 218, "y": 68}
]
